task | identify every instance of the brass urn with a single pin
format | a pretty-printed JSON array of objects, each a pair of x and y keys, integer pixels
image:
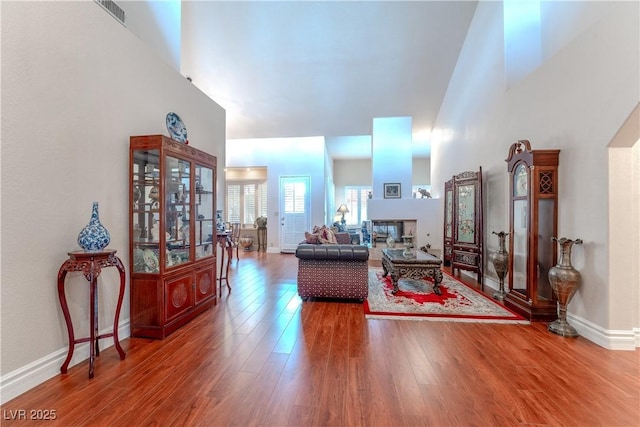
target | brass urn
[
  {"x": 500, "y": 261},
  {"x": 408, "y": 244},
  {"x": 246, "y": 242},
  {"x": 565, "y": 281}
]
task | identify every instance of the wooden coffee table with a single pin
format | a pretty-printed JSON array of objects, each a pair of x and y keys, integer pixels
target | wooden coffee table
[{"x": 418, "y": 266}]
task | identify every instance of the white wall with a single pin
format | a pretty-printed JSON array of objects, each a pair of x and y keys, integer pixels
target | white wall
[
  {"x": 391, "y": 155},
  {"x": 575, "y": 101},
  {"x": 284, "y": 157},
  {"x": 624, "y": 220},
  {"x": 357, "y": 172},
  {"x": 75, "y": 85},
  {"x": 353, "y": 172},
  {"x": 158, "y": 25},
  {"x": 421, "y": 171},
  {"x": 329, "y": 186}
]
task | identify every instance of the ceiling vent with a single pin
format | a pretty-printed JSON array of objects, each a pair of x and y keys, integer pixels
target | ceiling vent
[{"x": 113, "y": 9}]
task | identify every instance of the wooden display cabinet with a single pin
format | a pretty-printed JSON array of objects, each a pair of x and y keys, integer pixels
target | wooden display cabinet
[
  {"x": 533, "y": 220},
  {"x": 172, "y": 234}
]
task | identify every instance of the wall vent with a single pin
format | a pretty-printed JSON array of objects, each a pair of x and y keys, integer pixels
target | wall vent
[{"x": 113, "y": 9}]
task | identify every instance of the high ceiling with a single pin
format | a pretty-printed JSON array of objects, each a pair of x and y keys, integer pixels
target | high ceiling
[{"x": 294, "y": 69}]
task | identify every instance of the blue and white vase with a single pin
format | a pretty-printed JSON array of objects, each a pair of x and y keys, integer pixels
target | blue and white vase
[{"x": 94, "y": 237}]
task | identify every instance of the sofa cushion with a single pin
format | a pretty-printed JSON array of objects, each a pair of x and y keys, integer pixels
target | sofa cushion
[
  {"x": 342, "y": 238},
  {"x": 332, "y": 252}
]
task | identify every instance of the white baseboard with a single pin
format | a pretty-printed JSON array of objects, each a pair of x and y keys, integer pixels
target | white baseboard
[
  {"x": 609, "y": 339},
  {"x": 25, "y": 378}
]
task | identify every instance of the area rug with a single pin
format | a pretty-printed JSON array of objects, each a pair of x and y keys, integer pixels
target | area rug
[{"x": 416, "y": 300}]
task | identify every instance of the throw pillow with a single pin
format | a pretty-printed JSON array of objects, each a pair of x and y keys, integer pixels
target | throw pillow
[
  {"x": 321, "y": 235},
  {"x": 326, "y": 235},
  {"x": 314, "y": 239}
]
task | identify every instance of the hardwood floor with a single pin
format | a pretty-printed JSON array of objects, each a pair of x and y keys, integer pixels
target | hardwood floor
[{"x": 262, "y": 357}]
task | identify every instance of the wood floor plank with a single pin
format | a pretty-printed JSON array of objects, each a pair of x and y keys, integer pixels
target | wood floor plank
[
  {"x": 358, "y": 393},
  {"x": 290, "y": 334},
  {"x": 262, "y": 357}
]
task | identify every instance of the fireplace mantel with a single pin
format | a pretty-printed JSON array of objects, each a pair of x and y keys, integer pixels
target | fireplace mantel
[{"x": 426, "y": 214}]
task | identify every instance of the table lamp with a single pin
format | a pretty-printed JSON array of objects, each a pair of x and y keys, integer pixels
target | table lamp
[{"x": 343, "y": 209}]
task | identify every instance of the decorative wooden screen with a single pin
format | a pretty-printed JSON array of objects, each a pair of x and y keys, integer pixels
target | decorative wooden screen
[
  {"x": 448, "y": 222},
  {"x": 467, "y": 251}
]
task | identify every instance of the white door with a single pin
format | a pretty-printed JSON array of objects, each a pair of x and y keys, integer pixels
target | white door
[{"x": 295, "y": 215}]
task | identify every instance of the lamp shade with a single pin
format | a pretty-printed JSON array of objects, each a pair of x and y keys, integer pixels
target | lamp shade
[{"x": 343, "y": 209}]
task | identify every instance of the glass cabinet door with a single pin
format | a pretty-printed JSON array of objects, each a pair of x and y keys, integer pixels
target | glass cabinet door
[
  {"x": 205, "y": 215},
  {"x": 177, "y": 224},
  {"x": 520, "y": 231},
  {"x": 465, "y": 220},
  {"x": 145, "y": 199},
  {"x": 546, "y": 260},
  {"x": 448, "y": 216},
  {"x": 448, "y": 223}
]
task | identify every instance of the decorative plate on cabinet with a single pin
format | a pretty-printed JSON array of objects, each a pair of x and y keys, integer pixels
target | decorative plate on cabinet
[
  {"x": 137, "y": 194},
  {"x": 176, "y": 128},
  {"x": 150, "y": 260}
]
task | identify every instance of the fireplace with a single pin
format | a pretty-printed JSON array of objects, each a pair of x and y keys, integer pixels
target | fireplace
[{"x": 381, "y": 229}]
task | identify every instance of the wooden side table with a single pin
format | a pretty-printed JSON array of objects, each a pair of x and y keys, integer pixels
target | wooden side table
[
  {"x": 90, "y": 264},
  {"x": 224, "y": 240}
]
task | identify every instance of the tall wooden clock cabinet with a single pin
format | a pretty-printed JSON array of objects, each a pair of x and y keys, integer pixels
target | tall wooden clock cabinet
[
  {"x": 533, "y": 221},
  {"x": 172, "y": 234}
]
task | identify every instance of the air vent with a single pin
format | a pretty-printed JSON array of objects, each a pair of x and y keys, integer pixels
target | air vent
[{"x": 113, "y": 9}]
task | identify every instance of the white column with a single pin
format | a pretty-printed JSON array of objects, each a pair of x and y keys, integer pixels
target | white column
[{"x": 391, "y": 155}]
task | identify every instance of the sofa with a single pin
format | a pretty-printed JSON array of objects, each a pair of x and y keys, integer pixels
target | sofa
[{"x": 333, "y": 271}]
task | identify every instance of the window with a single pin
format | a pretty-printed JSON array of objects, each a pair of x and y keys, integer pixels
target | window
[
  {"x": 356, "y": 200},
  {"x": 246, "y": 201}
]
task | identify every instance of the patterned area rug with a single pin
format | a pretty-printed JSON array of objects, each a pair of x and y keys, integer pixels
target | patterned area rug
[{"x": 416, "y": 301}]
